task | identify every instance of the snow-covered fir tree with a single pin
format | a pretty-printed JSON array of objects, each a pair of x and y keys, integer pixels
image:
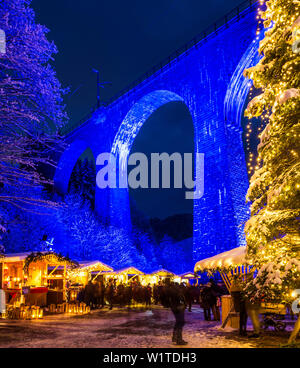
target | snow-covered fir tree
[{"x": 272, "y": 232}]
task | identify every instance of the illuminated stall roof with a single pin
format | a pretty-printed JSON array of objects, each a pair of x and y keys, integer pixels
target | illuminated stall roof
[
  {"x": 187, "y": 275},
  {"x": 94, "y": 266},
  {"x": 163, "y": 273},
  {"x": 15, "y": 257},
  {"x": 233, "y": 258},
  {"x": 31, "y": 257},
  {"x": 129, "y": 271}
]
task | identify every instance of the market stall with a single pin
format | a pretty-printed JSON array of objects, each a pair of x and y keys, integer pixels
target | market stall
[
  {"x": 187, "y": 278},
  {"x": 87, "y": 271},
  {"x": 124, "y": 275},
  {"x": 34, "y": 278},
  {"x": 162, "y": 275},
  {"x": 229, "y": 263}
]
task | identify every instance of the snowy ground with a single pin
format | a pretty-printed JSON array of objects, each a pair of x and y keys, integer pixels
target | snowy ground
[{"x": 123, "y": 328}]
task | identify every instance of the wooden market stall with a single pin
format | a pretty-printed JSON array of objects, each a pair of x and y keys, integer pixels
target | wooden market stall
[
  {"x": 162, "y": 275},
  {"x": 124, "y": 275},
  {"x": 86, "y": 271},
  {"x": 34, "y": 278},
  {"x": 187, "y": 278},
  {"x": 228, "y": 264}
]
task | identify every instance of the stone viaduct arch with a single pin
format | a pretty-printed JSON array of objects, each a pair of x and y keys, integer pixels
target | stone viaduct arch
[
  {"x": 208, "y": 79},
  {"x": 122, "y": 144},
  {"x": 66, "y": 164}
]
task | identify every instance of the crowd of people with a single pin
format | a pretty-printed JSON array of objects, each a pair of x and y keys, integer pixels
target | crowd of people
[
  {"x": 98, "y": 294},
  {"x": 177, "y": 297}
]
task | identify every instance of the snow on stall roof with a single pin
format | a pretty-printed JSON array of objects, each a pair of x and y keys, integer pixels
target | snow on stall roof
[
  {"x": 187, "y": 274},
  {"x": 232, "y": 258},
  {"x": 15, "y": 257},
  {"x": 130, "y": 270},
  {"x": 162, "y": 272},
  {"x": 86, "y": 264}
]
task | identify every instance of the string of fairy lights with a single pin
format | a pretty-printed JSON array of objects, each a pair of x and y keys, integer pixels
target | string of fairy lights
[
  {"x": 254, "y": 127},
  {"x": 272, "y": 231}
]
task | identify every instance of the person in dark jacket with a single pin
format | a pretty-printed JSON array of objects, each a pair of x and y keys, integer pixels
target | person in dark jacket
[
  {"x": 102, "y": 293},
  {"x": 177, "y": 304},
  {"x": 189, "y": 296},
  {"x": 110, "y": 292},
  {"x": 206, "y": 300},
  {"x": 239, "y": 304},
  {"x": 148, "y": 295},
  {"x": 80, "y": 295},
  {"x": 89, "y": 294},
  {"x": 217, "y": 292}
]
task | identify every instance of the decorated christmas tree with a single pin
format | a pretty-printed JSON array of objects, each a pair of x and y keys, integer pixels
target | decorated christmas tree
[{"x": 272, "y": 232}]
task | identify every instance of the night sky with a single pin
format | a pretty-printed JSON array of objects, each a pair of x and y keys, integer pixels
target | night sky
[
  {"x": 169, "y": 129},
  {"x": 124, "y": 39}
]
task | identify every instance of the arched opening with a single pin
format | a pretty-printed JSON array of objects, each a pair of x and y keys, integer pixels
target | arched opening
[
  {"x": 234, "y": 107},
  {"x": 77, "y": 150},
  {"x": 169, "y": 129},
  {"x": 159, "y": 122},
  {"x": 83, "y": 178}
]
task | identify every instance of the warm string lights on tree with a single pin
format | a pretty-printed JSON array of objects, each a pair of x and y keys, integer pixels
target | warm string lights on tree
[
  {"x": 272, "y": 232},
  {"x": 254, "y": 126}
]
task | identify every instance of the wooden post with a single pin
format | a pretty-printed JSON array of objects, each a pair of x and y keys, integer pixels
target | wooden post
[
  {"x": 64, "y": 283},
  {"x": 1, "y": 275},
  {"x": 22, "y": 279},
  {"x": 53, "y": 270},
  {"x": 96, "y": 275},
  {"x": 295, "y": 332},
  {"x": 226, "y": 282},
  {"x": 132, "y": 277},
  {"x": 227, "y": 317}
]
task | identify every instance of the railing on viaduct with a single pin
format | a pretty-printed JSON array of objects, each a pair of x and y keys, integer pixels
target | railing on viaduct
[{"x": 233, "y": 16}]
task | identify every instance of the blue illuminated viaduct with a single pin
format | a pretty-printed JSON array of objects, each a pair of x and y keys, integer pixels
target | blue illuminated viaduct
[{"x": 208, "y": 78}]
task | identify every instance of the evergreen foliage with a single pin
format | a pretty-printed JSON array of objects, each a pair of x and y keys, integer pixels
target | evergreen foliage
[{"x": 272, "y": 232}]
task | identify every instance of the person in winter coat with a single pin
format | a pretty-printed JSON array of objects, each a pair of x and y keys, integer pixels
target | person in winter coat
[
  {"x": 177, "y": 304},
  {"x": 102, "y": 293},
  {"x": 206, "y": 301},
  {"x": 109, "y": 293},
  {"x": 80, "y": 295},
  {"x": 155, "y": 294},
  {"x": 239, "y": 304},
  {"x": 97, "y": 293},
  {"x": 216, "y": 292},
  {"x": 148, "y": 295},
  {"x": 192, "y": 294},
  {"x": 89, "y": 294}
]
